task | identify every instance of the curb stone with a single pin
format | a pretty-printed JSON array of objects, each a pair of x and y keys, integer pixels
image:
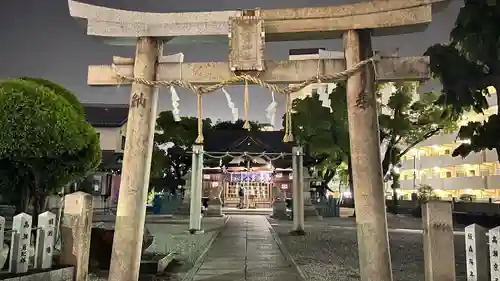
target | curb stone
[
  {"x": 199, "y": 262},
  {"x": 285, "y": 252}
]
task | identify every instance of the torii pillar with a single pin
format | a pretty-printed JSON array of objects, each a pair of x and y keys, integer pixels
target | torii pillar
[
  {"x": 371, "y": 218},
  {"x": 131, "y": 213}
]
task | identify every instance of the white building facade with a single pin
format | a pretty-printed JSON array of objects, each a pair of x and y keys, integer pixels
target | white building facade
[{"x": 431, "y": 163}]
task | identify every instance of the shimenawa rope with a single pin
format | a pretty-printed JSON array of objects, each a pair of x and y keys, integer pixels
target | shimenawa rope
[{"x": 287, "y": 90}]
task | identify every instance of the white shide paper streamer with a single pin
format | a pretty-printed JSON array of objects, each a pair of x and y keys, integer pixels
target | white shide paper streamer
[
  {"x": 271, "y": 111},
  {"x": 325, "y": 90},
  {"x": 324, "y": 97},
  {"x": 231, "y": 105},
  {"x": 175, "y": 104},
  {"x": 179, "y": 58}
]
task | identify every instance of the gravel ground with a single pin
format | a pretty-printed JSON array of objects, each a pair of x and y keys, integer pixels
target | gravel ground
[
  {"x": 329, "y": 250},
  {"x": 171, "y": 236}
]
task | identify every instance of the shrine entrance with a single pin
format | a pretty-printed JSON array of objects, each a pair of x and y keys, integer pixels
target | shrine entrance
[
  {"x": 246, "y": 167},
  {"x": 257, "y": 186},
  {"x": 246, "y": 32}
]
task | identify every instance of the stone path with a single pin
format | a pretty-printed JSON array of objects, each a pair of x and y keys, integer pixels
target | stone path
[{"x": 245, "y": 250}]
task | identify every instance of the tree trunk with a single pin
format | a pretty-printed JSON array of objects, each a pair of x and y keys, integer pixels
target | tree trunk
[
  {"x": 37, "y": 197},
  {"x": 24, "y": 199},
  {"x": 395, "y": 200},
  {"x": 386, "y": 161}
]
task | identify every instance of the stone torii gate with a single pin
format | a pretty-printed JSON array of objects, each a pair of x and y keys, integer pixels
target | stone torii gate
[{"x": 248, "y": 30}]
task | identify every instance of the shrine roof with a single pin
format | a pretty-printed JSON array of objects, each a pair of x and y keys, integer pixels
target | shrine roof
[
  {"x": 106, "y": 115},
  {"x": 246, "y": 141}
]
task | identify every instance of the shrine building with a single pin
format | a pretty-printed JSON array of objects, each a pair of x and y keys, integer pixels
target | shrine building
[{"x": 259, "y": 161}]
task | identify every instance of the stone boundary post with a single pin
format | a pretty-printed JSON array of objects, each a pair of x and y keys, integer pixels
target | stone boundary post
[
  {"x": 76, "y": 231},
  {"x": 439, "y": 251}
]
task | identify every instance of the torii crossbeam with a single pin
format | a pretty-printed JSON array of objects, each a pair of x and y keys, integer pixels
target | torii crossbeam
[{"x": 246, "y": 32}]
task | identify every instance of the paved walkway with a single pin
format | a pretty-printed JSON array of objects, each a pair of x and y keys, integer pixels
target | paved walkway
[{"x": 245, "y": 250}]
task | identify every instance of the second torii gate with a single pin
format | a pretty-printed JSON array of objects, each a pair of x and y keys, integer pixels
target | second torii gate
[{"x": 248, "y": 31}]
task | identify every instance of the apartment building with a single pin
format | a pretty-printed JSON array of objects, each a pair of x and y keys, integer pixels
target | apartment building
[{"x": 430, "y": 162}]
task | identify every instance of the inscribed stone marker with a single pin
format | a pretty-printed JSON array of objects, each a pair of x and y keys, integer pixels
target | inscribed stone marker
[
  {"x": 439, "y": 253},
  {"x": 4, "y": 249},
  {"x": 45, "y": 240},
  {"x": 75, "y": 233},
  {"x": 2, "y": 231},
  {"x": 494, "y": 235},
  {"x": 476, "y": 253},
  {"x": 21, "y": 227}
]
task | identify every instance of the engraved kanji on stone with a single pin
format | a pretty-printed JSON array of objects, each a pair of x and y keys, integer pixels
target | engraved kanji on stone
[
  {"x": 471, "y": 261},
  {"x": 45, "y": 240},
  {"x": 138, "y": 100},
  {"x": 471, "y": 274},
  {"x": 495, "y": 253},
  {"x": 494, "y": 240},
  {"x": 495, "y": 266},
  {"x": 21, "y": 225},
  {"x": 471, "y": 250}
]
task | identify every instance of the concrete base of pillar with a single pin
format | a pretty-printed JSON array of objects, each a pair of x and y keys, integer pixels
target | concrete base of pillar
[
  {"x": 279, "y": 210},
  {"x": 196, "y": 232},
  {"x": 214, "y": 208}
]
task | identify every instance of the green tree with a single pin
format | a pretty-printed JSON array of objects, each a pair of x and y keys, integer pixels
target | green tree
[
  {"x": 467, "y": 66},
  {"x": 404, "y": 123},
  {"x": 44, "y": 139},
  {"x": 322, "y": 133},
  {"x": 171, "y": 159}
]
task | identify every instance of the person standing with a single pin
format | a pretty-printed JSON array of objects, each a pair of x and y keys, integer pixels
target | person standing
[{"x": 241, "y": 194}]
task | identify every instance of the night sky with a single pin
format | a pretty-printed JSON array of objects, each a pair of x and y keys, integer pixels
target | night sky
[{"x": 38, "y": 38}]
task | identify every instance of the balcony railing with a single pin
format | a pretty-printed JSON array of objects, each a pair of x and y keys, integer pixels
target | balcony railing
[
  {"x": 427, "y": 162},
  {"x": 478, "y": 182}
]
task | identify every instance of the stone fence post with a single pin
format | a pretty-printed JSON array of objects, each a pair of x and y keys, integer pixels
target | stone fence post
[
  {"x": 4, "y": 249},
  {"x": 476, "y": 253},
  {"x": 20, "y": 243},
  {"x": 76, "y": 231},
  {"x": 439, "y": 251},
  {"x": 45, "y": 240},
  {"x": 494, "y": 256}
]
